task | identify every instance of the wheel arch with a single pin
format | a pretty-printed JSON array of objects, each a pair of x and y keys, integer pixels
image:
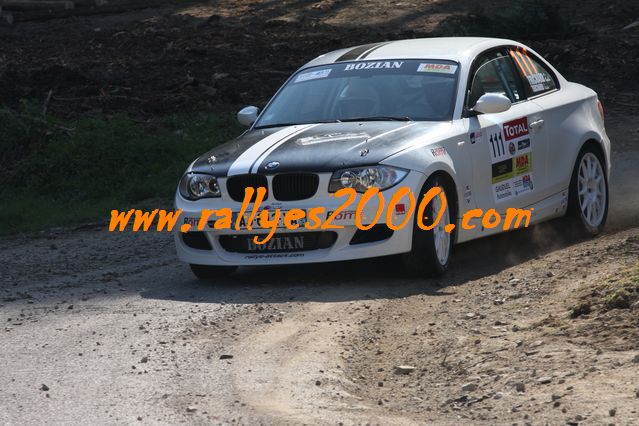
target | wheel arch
[
  {"x": 598, "y": 146},
  {"x": 451, "y": 188},
  {"x": 596, "y": 138}
]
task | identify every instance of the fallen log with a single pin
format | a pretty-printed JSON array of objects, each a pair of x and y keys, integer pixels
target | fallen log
[{"x": 31, "y": 5}]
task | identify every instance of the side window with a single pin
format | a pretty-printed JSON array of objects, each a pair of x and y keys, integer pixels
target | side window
[
  {"x": 537, "y": 78},
  {"x": 496, "y": 76}
]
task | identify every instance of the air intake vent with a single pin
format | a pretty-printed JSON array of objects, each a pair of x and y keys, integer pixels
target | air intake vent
[
  {"x": 235, "y": 185},
  {"x": 295, "y": 186},
  {"x": 196, "y": 240},
  {"x": 376, "y": 233}
]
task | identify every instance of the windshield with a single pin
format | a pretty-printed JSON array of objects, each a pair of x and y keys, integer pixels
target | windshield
[{"x": 374, "y": 90}]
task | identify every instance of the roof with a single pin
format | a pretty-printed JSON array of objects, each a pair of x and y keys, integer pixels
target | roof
[{"x": 460, "y": 49}]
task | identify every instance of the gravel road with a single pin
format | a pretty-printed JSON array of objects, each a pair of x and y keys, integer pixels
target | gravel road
[{"x": 110, "y": 328}]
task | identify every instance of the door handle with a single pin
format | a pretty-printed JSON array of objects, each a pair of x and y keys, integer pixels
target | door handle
[{"x": 536, "y": 124}]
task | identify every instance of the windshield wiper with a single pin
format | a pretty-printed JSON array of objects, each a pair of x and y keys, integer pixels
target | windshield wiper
[{"x": 378, "y": 118}]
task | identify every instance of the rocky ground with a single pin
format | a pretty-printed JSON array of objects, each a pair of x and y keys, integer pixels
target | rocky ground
[{"x": 109, "y": 328}]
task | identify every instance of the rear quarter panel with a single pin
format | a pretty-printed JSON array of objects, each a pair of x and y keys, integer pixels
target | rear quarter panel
[{"x": 571, "y": 118}]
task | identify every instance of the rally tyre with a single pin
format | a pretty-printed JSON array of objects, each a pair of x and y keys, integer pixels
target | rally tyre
[
  {"x": 588, "y": 195},
  {"x": 431, "y": 250},
  {"x": 209, "y": 273}
]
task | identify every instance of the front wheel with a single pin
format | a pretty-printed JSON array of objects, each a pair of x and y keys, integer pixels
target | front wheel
[
  {"x": 430, "y": 253},
  {"x": 209, "y": 273},
  {"x": 588, "y": 194}
]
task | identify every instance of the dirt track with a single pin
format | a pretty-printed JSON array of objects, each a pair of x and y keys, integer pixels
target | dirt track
[{"x": 117, "y": 329}]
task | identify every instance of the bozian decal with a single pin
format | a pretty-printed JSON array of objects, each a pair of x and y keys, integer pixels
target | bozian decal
[{"x": 374, "y": 65}]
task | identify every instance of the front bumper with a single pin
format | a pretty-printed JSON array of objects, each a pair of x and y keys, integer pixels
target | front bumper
[{"x": 399, "y": 242}]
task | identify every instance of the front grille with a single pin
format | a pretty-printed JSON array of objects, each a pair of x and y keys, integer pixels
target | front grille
[
  {"x": 235, "y": 185},
  {"x": 295, "y": 186},
  {"x": 279, "y": 242}
]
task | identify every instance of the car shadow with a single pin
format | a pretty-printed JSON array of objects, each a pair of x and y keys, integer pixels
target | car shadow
[{"x": 368, "y": 279}]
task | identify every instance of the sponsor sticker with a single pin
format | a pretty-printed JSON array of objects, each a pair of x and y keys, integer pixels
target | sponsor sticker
[
  {"x": 503, "y": 191},
  {"x": 511, "y": 148},
  {"x": 374, "y": 65},
  {"x": 523, "y": 184},
  {"x": 343, "y": 215},
  {"x": 330, "y": 137},
  {"x": 272, "y": 256},
  {"x": 511, "y": 158},
  {"x": 475, "y": 136},
  {"x": 400, "y": 209},
  {"x": 313, "y": 75},
  {"x": 439, "y": 68},
  {"x": 468, "y": 193},
  {"x": 191, "y": 221},
  {"x": 516, "y": 128},
  {"x": 256, "y": 220},
  {"x": 502, "y": 170},
  {"x": 438, "y": 152},
  {"x": 523, "y": 144},
  {"x": 527, "y": 181},
  {"x": 523, "y": 163},
  {"x": 278, "y": 243},
  {"x": 539, "y": 82}
]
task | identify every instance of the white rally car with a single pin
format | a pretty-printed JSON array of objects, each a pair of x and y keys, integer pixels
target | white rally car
[{"x": 488, "y": 120}]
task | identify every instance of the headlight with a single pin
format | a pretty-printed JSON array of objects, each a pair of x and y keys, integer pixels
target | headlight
[
  {"x": 194, "y": 186},
  {"x": 363, "y": 178}
]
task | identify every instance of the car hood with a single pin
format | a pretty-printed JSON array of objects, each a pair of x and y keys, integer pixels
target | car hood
[{"x": 315, "y": 147}]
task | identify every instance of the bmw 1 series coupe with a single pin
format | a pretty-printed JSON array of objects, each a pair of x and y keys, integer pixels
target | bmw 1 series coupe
[{"x": 488, "y": 120}]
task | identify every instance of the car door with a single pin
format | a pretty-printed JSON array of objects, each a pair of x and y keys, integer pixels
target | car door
[
  {"x": 508, "y": 149},
  {"x": 542, "y": 87}
]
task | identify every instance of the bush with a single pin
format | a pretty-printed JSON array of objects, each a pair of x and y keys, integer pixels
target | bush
[{"x": 92, "y": 162}]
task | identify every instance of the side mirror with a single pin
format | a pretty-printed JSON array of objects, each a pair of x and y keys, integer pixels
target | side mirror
[
  {"x": 248, "y": 115},
  {"x": 492, "y": 103}
]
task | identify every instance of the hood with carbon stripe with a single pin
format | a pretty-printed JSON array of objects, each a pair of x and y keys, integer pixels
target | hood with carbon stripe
[{"x": 317, "y": 148}]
